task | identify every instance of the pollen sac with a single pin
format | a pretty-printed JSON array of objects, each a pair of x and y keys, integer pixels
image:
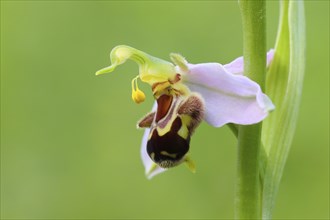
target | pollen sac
[
  {"x": 171, "y": 128},
  {"x": 138, "y": 96}
]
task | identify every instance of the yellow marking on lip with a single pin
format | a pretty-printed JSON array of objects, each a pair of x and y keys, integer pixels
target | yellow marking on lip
[
  {"x": 168, "y": 154},
  {"x": 152, "y": 155},
  {"x": 167, "y": 128},
  {"x": 184, "y": 132}
]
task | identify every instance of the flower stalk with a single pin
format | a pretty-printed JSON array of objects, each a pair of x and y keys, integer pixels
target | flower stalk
[{"x": 248, "y": 187}]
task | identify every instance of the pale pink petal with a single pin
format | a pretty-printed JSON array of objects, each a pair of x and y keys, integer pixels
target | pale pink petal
[
  {"x": 150, "y": 170},
  {"x": 237, "y": 66},
  {"x": 228, "y": 98}
]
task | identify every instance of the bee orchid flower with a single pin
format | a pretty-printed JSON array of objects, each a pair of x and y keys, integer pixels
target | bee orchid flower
[{"x": 185, "y": 95}]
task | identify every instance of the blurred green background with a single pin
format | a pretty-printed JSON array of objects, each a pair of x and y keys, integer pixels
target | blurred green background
[{"x": 69, "y": 145}]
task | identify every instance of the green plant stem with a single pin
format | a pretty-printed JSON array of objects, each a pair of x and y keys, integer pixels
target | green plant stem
[
  {"x": 263, "y": 157},
  {"x": 248, "y": 187}
]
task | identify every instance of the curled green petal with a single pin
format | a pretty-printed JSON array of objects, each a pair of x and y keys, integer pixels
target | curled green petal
[
  {"x": 120, "y": 54},
  {"x": 106, "y": 69},
  {"x": 151, "y": 69}
]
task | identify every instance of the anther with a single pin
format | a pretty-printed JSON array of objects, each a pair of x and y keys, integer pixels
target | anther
[{"x": 137, "y": 95}]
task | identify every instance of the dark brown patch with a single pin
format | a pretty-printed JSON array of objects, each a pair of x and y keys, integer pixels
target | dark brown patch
[{"x": 171, "y": 142}]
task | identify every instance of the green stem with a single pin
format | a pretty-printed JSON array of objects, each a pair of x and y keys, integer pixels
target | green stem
[
  {"x": 248, "y": 187},
  {"x": 263, "y": 157}
]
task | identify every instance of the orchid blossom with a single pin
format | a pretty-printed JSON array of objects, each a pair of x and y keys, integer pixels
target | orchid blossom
[{"x": 185, "y": 94}]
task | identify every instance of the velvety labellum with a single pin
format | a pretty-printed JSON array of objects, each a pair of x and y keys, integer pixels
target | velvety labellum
[{"x": 171, "y": 127}]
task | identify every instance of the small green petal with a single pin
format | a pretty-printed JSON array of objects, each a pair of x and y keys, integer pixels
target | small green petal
[{"x": 180, "y": 61}]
